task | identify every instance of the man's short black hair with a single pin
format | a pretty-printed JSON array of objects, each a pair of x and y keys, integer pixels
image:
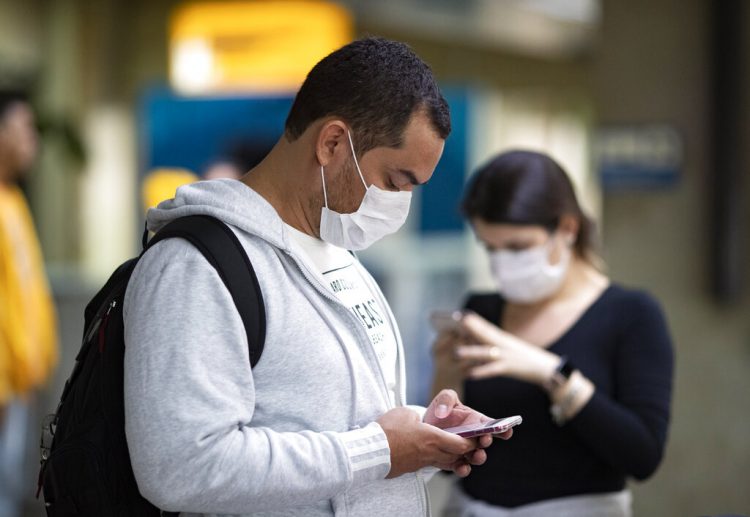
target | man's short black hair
[{"x": 374, "y": 85}]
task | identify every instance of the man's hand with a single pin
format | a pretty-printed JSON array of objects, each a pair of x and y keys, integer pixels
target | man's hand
[
  {"x": 446, "y": 410},
  {"x": 416, "y": 444}
]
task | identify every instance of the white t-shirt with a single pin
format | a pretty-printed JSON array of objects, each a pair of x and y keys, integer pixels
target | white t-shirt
[{"x": 337, "y": 271}]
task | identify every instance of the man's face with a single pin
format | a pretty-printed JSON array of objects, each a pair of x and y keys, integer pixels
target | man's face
[
  {"x": 393, "y": 169},
  {"x": 18, "y": 140}
]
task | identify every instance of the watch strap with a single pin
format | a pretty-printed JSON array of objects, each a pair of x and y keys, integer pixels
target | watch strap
[{"x": 562, "y": 373}]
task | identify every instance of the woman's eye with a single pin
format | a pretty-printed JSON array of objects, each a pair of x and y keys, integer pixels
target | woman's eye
[{"x": 517, "y": 247}]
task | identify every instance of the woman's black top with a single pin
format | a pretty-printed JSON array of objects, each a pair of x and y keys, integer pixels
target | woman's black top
[{"x": 621, "y": 343}]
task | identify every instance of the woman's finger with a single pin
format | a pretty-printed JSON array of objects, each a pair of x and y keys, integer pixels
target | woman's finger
[
  {"x": 480, "y": 353},
  {"x": 481, "y": 330},
  {"x": 445, "y": 342},
  {"x": 483, "y": 371}
]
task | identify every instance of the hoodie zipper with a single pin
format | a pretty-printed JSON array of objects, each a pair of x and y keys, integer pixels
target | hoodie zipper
[
  {"x": 321, "y": 289},
  {"x": 422, "y": 489},
  {"x": 374, "y": 287}
]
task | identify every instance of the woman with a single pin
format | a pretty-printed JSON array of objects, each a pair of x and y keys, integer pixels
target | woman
[{"x": 586, "y": 362}]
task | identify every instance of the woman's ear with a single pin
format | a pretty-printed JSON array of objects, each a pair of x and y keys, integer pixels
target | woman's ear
[
  {"x": 330, "y": 141},
  {"x": 568, "y": 228}
]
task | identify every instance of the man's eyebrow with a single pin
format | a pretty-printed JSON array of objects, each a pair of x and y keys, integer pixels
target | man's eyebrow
[{"x": 411, "y": 176}]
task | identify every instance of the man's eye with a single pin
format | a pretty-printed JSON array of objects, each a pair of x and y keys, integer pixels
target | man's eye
[{"x": 391, "y": 185}]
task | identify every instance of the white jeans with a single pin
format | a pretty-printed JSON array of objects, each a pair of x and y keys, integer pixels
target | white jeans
[{"x": 613, "y": 504}]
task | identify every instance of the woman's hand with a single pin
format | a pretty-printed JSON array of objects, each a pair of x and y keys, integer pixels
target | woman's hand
[
  {"x": 448, "y": 372},
  {"x": 494, "y": 352}
]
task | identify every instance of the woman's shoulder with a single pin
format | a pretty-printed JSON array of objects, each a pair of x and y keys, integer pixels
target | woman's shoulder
[{"x": 632, "y": 301}]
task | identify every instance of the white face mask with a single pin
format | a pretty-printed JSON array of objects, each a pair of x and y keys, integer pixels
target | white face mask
[
  {"x": 381, "y": 213},
  {"x": 527, "y": 276}
]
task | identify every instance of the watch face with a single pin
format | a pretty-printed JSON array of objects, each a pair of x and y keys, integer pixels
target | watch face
[{"x": 561, "y": 374}]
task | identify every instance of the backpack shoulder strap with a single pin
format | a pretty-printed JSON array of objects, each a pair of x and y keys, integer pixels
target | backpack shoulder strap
[{"x": 223, "y": 250}]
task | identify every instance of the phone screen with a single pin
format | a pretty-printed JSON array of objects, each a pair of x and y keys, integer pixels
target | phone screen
[{"x": 499, "y": 425}]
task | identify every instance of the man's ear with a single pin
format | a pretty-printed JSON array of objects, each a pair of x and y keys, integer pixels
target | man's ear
[{"x": 331, "y": 142}]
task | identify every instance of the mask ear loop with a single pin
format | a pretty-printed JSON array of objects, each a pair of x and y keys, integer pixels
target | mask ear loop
[
  {"x": 351, "y": 144},
  {"x": 323, "y": 177}
]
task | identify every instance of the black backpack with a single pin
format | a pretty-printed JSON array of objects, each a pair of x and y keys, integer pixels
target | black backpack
[{"x": 86, "y": 470}]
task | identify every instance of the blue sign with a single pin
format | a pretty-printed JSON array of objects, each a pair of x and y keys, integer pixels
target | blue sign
[
  {"x": 642, "y": 156},
  {"x": 191, "y": 132},
  {"x": 441, "y": 197}
]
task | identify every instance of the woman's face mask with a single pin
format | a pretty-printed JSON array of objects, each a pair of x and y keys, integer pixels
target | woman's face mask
[
  {"x": 527, "y": 276},
  {"x": 381, "y": 213}
]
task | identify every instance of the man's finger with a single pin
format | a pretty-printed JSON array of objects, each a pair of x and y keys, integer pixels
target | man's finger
[
  {"x": 485, "y": 441},
  {"x": 458, "y": 445},
  {"x": 506, "y": 435},
  {"x": 461, "y": 469},
  {"x": 477, "y": 457},
  {"x": 444, "y": 402},
  {"x": 465, "y": 446}
]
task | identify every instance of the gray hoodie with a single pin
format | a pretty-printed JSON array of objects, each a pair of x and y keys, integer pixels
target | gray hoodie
[{"x": 296, "y": 435}]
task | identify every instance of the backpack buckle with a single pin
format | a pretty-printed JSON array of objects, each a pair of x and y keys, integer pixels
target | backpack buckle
[{"x": 49, "y": 424}]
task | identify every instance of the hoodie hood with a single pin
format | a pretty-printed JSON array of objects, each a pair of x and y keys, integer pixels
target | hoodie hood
[{"x": 230, "y": 201}]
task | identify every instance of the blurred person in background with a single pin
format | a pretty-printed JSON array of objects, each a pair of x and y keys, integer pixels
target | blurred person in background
[
  {"x": 222, "y": 168},
  {"x": 28, "y": 340},
  {"x": 246, "y": 153},
  {"x": 241, "y": 156},
  {"x": 161, "y": 183},
  {"x": 319, "y": 426},
  {"x": 587, "y": 362}
]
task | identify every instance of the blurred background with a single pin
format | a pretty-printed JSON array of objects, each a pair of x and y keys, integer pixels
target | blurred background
[{"x": 644, "y": 102}]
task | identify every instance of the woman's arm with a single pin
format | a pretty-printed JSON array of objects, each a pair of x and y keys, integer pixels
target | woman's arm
[{"x": 629, "y": 429}]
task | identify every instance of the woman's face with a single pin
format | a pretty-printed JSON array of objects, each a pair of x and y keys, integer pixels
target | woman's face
[
  {"x": 18, "y": 139},
  {"x": 515, "y": 237}
]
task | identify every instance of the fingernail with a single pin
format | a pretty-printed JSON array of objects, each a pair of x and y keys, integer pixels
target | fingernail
[{"x": 441, "y": 411}]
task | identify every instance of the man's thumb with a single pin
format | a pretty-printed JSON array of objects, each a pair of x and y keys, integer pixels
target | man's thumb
[{"x": 444, "y": 403}]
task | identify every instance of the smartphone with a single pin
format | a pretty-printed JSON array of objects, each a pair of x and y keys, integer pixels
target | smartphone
[
  {"x": 443, "y": 321},
  {"x": 497, "y": 426}
]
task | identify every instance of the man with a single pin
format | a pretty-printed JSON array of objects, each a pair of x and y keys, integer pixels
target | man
[
  {"x": 28, "y": 342},
  {"x": 318, "y": 426}
]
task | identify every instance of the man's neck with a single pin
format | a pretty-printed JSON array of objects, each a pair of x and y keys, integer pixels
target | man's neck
[{"x": 282, "y": 181}]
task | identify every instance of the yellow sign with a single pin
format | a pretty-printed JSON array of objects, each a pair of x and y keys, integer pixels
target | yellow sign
[{"x": 261, "y": 45}]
